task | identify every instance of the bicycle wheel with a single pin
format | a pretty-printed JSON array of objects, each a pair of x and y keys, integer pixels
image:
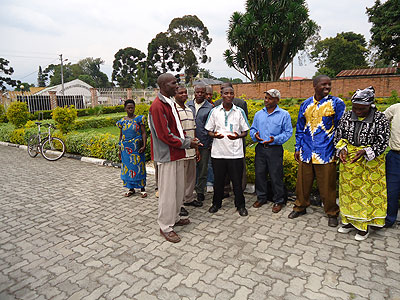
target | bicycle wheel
[
  {"x": 53, "y": 148},
  {"x": 33, "y": 145}
]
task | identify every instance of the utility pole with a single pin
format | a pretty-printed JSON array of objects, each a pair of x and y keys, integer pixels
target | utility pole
[
  {"x": 62, "y": 76},
  {"x": 291, "y": 77}
]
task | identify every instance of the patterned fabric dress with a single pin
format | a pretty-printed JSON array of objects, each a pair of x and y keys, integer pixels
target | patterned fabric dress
[
  {"x": 133, "y": 167},
  {"x": 362, "y": 185}
]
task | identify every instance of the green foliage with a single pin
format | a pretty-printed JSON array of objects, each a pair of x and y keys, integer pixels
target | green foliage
[
  {"x": 42, "y": 78},
  {"x": 18, "y": 114},
  {"x": 6, "y": 131},
  {"x": 126, "y": 65},
  {"x": 41, "y": 115},
  {"x": 64, "y": 118},
  {"x": 5, "y": 69},
  {"x": 386, "y": 29},
  {"x": 30, "y": 124},
  {"x": 346, "y": 51},
  {"x": 394, "y": 97},
  {"x": 160, "y": 55},
  {"x": 3, "y": 116},
  {"x": 96, "y": 122},
  {"x": 87, "y": 70},
  {"x": 101, "y": 146},
  {"x": 18, "y": 136},
  {"x": 183, "y": 46},
  {"x": 264, "y": 40}
]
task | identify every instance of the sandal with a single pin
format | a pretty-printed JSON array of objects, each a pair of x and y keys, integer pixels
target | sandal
[
  {"x": 144, "y": 194},
  {"x": 129, "y": 193}
]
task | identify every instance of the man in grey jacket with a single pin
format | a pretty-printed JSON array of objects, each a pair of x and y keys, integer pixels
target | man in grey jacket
[{"x": 201, "y": 108}]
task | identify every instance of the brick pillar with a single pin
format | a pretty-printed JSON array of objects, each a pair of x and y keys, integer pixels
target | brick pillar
[
  {"x": 128, "y": 93},
  {"x": 53, "y": 99},
  {"x": 95, "y": 100}
]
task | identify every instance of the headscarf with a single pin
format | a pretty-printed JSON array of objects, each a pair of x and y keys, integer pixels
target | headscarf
[{"x": 364, "y": 97}]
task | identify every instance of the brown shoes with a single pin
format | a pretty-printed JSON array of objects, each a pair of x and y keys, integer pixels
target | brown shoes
[
  {"x": 171, "y": 236},
  {"x": 182, "y": 222},
  {"x": 332, "y": 221},
  {"x": 258, "y": 204},
  {"x": 295, "y": 214},
  {"x": 277, "y": 207}
]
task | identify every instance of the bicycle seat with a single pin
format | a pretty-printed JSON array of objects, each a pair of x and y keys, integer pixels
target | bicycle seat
[{"x": 38, "y": 123}]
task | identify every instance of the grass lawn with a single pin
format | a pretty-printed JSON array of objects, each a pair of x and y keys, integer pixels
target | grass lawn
[{"x": 114, "y": 130}]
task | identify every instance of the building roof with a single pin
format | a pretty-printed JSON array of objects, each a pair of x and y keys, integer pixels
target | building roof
[
  {"x": 294, "y": 78},
  {"x": 67, "y": 85},
  {"x": 206, "y": 81},
  {"x": 367, "y": 72}
]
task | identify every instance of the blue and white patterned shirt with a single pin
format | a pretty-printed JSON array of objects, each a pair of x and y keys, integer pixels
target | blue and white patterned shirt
[{"x": 315, "y": 129}]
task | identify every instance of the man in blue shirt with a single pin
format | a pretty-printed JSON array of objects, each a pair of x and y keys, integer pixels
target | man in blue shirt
[
  {"x": 271, "y": 128},
  {"x": 318, "y": 118}
]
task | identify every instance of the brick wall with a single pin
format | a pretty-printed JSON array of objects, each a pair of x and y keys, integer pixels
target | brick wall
[{"x": 304, "y": 88}]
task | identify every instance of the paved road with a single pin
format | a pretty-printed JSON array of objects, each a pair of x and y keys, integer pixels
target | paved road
[{"x": 66, "y": 232}]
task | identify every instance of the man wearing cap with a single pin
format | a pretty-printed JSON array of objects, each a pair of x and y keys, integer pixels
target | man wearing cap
[
  {"x": 392, "y": 113},
  {"x": 315, "y": 151},
  {"x": 271, "y": 128}
]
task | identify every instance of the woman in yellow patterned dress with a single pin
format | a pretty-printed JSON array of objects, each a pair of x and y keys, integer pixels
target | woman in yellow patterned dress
[
  {"x": 361, "y": 139},
  {"x": 132, "y": 145}
]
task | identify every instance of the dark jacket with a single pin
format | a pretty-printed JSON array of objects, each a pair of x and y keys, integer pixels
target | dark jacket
[
  {"x": 201, "y": 119},
  {"x": 166, "y": 144}
]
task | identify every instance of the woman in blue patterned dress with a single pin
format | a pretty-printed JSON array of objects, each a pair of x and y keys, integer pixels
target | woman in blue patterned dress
[{"x": 132, "y": 145}]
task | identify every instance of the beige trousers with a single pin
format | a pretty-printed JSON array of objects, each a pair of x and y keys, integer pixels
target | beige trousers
[
  {"x": 171, "y": 191},
  {"x": 190, "y": 180}
]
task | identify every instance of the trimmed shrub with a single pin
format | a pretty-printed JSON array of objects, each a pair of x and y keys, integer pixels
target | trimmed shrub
[
  {"x": 96, "y": 122},
  {"x": 41, "y": 115},
  {"x": 3, "y": 117},
  {"x": 101, "y": 146},
  {"x": 6, "y": 131},
  {"x": 18, "y": 114},
  {"x": 64, "y": 118},
  {"x": 18, "y": 136}
]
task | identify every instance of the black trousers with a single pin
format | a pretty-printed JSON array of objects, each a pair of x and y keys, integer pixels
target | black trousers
[
  {"x": 269, "y": 160},
  {"x": 233, "y": 167}
]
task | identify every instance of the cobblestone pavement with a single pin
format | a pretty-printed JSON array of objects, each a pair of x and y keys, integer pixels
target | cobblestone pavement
[{"x": 66, "y": 232}]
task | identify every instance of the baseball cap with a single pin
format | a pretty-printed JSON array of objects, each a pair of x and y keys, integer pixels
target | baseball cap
[{"x": 274, "y": 93}]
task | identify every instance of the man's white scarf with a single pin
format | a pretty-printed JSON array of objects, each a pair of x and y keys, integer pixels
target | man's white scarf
[{"x": 176, "y": 116}]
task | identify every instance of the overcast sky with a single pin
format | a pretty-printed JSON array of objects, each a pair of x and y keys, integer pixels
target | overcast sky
[{"x": 34, "y": 33}]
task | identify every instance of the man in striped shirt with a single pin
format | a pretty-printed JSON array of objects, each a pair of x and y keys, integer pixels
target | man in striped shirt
[{"x": 189, "y": 126}]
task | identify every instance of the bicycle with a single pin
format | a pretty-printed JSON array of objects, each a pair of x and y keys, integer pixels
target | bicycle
[{"x": 51, "y": 148}]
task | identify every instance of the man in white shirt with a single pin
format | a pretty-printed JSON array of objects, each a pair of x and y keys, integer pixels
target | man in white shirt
[
  {"x": 392, "y": 113},
  {"x": 227, "y": 125}
]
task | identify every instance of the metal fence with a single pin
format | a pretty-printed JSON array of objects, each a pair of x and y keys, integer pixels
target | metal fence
[
  {"x": 36, "y": 103},
  {"x": 112, "y": 96},
  {"x": 77, "y": 101},
  {"x": 39, "y": 102}
]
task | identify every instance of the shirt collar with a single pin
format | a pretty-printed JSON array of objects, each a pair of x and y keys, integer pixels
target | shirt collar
[
  {"x": 277, "y": 108},
  {"x": 234, "y": 107}
]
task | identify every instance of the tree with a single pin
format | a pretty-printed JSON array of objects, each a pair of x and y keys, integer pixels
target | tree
[
  {"x": 70, "y": 72},
  {"x": 264, "y": 40},
  {"x": 42, "y": 78},
  {"x": 386, "y": 29},
  {"x": 344, "y": 52},
  {"x": 191, "y": 36},
  {"x": 87, "y": 69},
  {"x": 162, "y": 56},
  {"x": 126, "y": 65},
  {"x": 6, "y": 70},
  {"x": 91, "y": 66}
]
